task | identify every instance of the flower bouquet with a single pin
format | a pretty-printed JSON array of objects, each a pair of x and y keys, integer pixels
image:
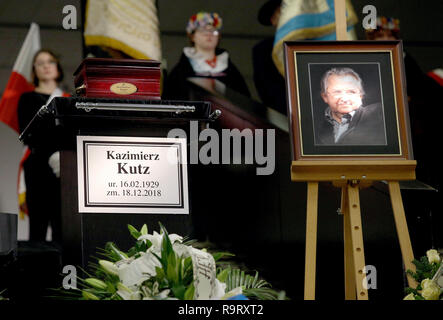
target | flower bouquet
[
  {"x": 166, "y": 267},
  {"x": 429, "y": 275}
]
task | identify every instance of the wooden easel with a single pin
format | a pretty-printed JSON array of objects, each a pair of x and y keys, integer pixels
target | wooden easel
[{"x": 351, "y": 176}]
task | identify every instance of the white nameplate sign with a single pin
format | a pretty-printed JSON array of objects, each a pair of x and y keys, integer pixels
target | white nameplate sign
[{"x": 132, "y": 175}]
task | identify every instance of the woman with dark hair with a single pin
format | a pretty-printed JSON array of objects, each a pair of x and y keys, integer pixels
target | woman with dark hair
[
  {"x": 203, "y": 59},
  {"x": 41, "y": 168}
]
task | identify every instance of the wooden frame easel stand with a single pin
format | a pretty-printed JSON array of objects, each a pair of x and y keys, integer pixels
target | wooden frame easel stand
[{"x": 351, "y": 176}]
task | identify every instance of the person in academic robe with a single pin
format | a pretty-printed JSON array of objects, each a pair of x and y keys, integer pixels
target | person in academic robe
[
  {"x": 41, "y": 167},
  {"x": 203, "y": 59}
]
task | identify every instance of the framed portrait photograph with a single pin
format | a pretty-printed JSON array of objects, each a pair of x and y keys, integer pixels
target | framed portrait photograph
[{"x": 347, "y": 100}]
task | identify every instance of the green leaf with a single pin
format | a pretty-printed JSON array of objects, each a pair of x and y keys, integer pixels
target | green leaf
[
  {"x": 188, "y": 272},
  {"x": 172, "y": 259},
  {"x": 160, "y": 273},
  {"x": 237, "y": 278},
  {"x": 141, "y": 246},
  {"x": 179, "y": 291},
  {"x": 96, "y": 283},
  {"x": 148, "y": 244},
  {"x": 261, "y": 293},
  {"x": 134, "y": 232},
  {"x": 180, "y": 267},
  {"x": 254, "y": 283},
  {"x": 188, "y": 263},
  {"x": 111, "y": 288},
  {"x": 166, "y": 242},
  {"x": 132, "y": 252},
  {"x": 171, "y": 271},
  {"x": 252, "y": 286},
  {"x": 189, "y": 294},
  {"x": 115, "y": 252},
  {"x": 223, "y": 276},
  {"x": 218, "y": 255},
  {"x": 144, "y": 230},
  {"x": 89, "y": 296},
  {"x": 242, "y": 278}
]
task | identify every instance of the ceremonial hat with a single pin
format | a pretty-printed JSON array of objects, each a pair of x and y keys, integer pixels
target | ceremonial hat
[
  {"x": 386, "y": 25},
  {"x": 203, "y": 19}
]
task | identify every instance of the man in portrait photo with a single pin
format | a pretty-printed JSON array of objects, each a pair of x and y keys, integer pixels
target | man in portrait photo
[{"x": 345, "y": 119}]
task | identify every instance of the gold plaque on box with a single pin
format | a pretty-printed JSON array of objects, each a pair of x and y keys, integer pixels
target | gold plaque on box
[{"x": 123, "y": 88}]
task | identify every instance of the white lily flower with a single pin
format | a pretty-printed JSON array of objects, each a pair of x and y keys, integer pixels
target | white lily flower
[
  {"x": 175, "y": 238},
  {"x": 127, "y": 294},
  {"x": 154, "y": 238},
  {"x": 431, "y": 290},
  {"x": 157, "y": 238},
  {"x": 181, "y": 250},
  {"x": 433, "y": 256},
  {"x": 135, "y": 271}
]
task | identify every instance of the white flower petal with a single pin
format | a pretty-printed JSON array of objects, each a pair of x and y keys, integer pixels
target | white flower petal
[
  {"x": 124, "y": 294},
  {"x": 409, "y": 297},
  {"x": 433, "y": 256},
  {"x": 219, "y": 290},
  {"x": 181, "y": 250},
  {"x": 175, "y": 237},
  {"x": 138, "y": 270},
  {"x": 164, "y": 294}
]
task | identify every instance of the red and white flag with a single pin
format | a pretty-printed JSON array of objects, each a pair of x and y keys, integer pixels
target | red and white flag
[
  {"x": 20, "y": 79},
  {"x": 437, "y": 75},
  {"x": 20, "y": 82}
]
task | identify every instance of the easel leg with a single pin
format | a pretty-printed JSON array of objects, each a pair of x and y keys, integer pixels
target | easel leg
[
  {"x": 350, "y": 286},
  {"x": 357, "y": 240},
  {"x": 311, "y": 240},
  {"x": 402, "y": 229}
]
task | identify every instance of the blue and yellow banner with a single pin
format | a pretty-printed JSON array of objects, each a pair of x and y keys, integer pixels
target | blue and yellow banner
[{"x": 308, "y": 20}]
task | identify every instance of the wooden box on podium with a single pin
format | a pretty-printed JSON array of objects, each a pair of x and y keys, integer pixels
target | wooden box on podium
[{"x": 118, "y": 78}]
